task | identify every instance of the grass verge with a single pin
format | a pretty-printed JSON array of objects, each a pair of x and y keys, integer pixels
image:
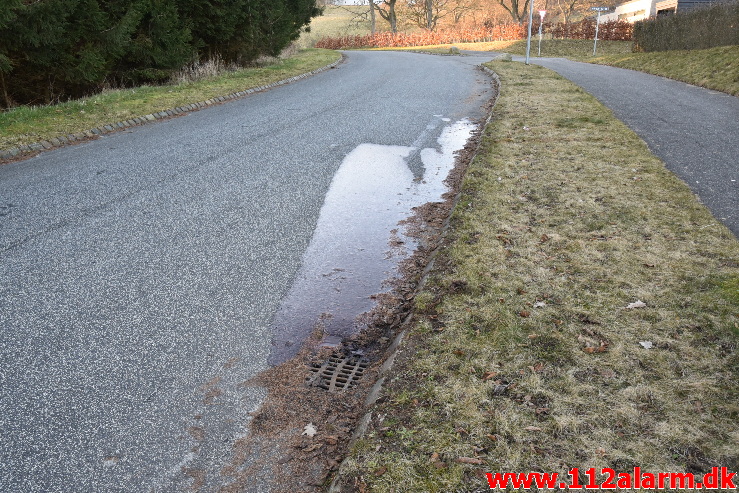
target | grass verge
[
  {"x": 575, "y": 49},
  {"x": 713, "y": 68},
  {"x": 584, "y": 313},
  {"x": 26, "y": 125}
]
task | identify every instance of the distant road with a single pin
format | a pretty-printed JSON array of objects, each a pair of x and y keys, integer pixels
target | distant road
[
  {"x": 139, "y": 272},
  {"x": 695, "y": 131}
]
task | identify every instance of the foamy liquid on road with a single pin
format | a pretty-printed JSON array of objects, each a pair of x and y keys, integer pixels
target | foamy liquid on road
[{"x": 358, "y": 242}]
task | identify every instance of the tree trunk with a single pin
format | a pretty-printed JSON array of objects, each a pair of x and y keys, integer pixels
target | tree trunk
[
  {"x": 373, "y": 19},
  {"x": 430, "y": 14},
  {"x": 392, "y": 17},
  {"x": 5, "y": 90}
]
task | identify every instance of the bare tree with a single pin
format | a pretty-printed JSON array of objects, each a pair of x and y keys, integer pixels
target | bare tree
[
  {"x": 569, "y": 8},
  {"x": 359, "y": 16},
  {"x": 464, "y": 7},
  {"x": 386, "y": 9},
  {"x": 518, "y": 11},
  {"x": 427, "y": 13}
]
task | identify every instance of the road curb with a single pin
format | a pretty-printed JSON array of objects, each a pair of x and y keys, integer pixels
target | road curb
[
  {"x": 65, "y": 140},
  {"x": 392, "y": 351}
]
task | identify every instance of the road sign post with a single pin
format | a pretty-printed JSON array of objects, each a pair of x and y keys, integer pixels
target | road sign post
[
  {"x": 597, "y": 24},
  {"x": 528, "y": 38}
]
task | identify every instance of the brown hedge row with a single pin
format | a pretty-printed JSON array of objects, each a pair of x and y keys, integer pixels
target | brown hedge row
[{"x": 585, "y": 29}]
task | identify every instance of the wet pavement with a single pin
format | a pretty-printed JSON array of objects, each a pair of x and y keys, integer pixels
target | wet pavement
[
  {"x": 359, "y": 239},
  {"x": 141, "y": 274}
]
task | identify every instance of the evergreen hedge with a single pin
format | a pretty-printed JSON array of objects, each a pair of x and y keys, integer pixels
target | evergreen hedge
[
  {"x": 708, "y": 27},
  {"x": 58, "y": 49}
]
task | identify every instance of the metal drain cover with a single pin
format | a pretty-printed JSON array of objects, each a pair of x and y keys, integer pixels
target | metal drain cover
[{"x": 337, "y": 373}]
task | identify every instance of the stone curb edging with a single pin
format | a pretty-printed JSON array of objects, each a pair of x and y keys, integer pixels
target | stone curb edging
[
  {"x": 392, "y": 350},
  {"x": 65, "y": 140}
]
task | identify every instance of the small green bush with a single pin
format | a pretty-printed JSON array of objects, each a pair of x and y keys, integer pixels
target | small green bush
[{"x": 716, "y": 25}]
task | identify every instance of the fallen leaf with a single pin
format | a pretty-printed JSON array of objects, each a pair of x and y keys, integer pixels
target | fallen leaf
[
  {"x": 646, "y": 344},
  {"x": 434, "y": 457},
  {"x": 636, "y": 304},
  {"x": 381, "y": 471},
  {"x": 537, "y": 367},
  {"x": 310, "y": 430},
  {"x": 524, "y": 313},
  {"x": 458, "y": 352},
  {"x": 540, "y": 304},
  {"x": 532, "y": 428},
  {"x": 488, "y": 375},
  {"x": 469, "y": 460},
  {"x": 533, "y": 336}
]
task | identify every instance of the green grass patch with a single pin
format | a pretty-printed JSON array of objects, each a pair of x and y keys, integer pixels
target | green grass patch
[
  {"x": 526, "y": 352},
  {"x": 713, "y": 68},
  {"x": 25, "y": 125}
]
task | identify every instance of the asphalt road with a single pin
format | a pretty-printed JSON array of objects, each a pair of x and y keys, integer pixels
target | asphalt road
[
  {"x": 695, "y": 131},
  {"x": 139, "y": 272}
]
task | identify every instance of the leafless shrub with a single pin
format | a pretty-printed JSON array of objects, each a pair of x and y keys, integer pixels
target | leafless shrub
[{"x": 201, "y": 70}]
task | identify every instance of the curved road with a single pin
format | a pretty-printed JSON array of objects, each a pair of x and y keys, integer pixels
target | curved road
[
  {"x": 139, "y": 273},
  {"x": 695, "y": 131}
]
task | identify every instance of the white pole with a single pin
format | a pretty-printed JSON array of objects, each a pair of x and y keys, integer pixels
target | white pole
[
  {"x": 542, "y": 13},
  {"x": 528, "y": 39},
  {"x": 597, "y": 24}
]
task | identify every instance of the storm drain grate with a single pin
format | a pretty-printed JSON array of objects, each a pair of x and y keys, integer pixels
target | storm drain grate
[{"x": 337, "y": 373}]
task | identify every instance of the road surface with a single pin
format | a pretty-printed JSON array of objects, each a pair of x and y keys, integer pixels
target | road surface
[{"x": 140, "y": 272}]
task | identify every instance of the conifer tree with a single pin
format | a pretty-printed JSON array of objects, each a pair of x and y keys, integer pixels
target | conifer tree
[
  {"x": 7, "y": 17},
  {"x": 159, "y": 43},
  {"x": 55, "y": 49}
]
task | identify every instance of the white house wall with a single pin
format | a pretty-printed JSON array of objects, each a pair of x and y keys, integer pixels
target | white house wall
[{"x": 633, "y": 11}]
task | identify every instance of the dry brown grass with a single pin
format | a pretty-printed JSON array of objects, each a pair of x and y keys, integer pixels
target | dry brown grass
[
  {"x": 713, "y": 68},
  {"x": 337, "y": 20},
  {"x": 524, "y": 354}
]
